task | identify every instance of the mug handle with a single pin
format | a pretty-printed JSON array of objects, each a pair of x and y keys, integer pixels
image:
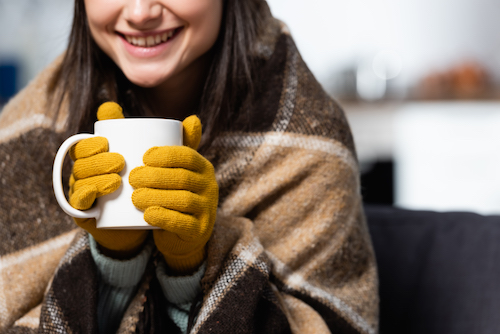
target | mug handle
[{"x": 57, "y": 179}]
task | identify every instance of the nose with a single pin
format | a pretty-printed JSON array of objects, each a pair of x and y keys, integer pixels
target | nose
[{"x": 143, "y": 13}]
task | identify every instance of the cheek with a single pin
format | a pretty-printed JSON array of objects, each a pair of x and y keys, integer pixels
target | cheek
[
  {"x": 197, "y": 11},
  {"x": 204, "y": 19},
  {"x": 101, "y": 14},
  {"x": 101, "y": 17}
]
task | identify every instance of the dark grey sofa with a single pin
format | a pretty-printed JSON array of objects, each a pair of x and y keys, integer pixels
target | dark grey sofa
[{"x": 439, "y": 272}]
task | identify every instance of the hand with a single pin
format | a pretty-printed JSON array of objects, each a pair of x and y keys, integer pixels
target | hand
[
  {"x": 178, "y": 192},
  {"x": 95, "y": 174}
]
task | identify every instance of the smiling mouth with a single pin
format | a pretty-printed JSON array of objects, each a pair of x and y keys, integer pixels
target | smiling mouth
[{"x": 151, "y": 40}]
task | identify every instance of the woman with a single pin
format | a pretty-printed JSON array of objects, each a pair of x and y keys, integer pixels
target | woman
[{"x": 287, "y": 249}]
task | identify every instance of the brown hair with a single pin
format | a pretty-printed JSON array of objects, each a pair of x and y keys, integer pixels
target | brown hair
[{"x": 88, "y": 77}]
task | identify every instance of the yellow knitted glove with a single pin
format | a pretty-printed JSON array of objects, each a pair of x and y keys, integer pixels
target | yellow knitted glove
[
  {"x": 95, "y": 174},
  {"x": 178, "y": 192}
]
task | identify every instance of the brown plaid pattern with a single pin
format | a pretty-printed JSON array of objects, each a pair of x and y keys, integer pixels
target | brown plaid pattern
[{"x": 290, "y": 251}]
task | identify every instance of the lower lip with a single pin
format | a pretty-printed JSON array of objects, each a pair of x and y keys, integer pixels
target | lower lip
[{"x": 149, "y": 52}]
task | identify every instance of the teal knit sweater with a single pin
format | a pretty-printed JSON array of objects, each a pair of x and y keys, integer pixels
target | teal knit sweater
[{"x": 119, "y": 280}]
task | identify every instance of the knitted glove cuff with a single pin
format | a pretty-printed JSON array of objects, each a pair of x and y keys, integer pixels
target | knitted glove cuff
[
  {"x": 121, "y": 273},
  {"x": 187, "y": 262}
]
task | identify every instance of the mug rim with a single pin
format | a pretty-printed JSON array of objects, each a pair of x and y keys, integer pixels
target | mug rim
[{"x": 140, "y": 119}]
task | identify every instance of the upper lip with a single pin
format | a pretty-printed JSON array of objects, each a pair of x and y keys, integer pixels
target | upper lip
[{"x": 148, "y": 33}]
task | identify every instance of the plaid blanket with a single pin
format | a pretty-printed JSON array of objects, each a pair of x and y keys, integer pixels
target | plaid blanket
[{"x": 290, "y": 252}]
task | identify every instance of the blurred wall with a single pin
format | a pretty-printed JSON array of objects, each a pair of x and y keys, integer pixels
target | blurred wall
[
  {"x": 33, "y": 33},
  {"x": 332, "y": 35},
  {"x": 426, "y": 34}
]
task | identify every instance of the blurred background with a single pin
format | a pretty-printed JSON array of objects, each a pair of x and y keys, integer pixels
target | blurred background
[{"x": 419, "y": 81}]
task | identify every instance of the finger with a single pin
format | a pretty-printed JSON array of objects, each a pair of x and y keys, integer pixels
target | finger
[
  {"x": 167, "y": 178},
  {"x": 104, "y": 184},
  {"x": 71, "y": 180},
  {"x": 178, "y": 200},
  {"x": 88, "y": 147},
  {"x": 103, "y": 163},
  {"x": 71, "y": 184},
  {"x": 112, "y": 238},
  {"x": 84, "y": 197},
  {"x": 86, "y": 223},
  {"x": 191, "y": 132},
  {"x": 109, "y": 110},
  {"x": 175, "y": 157},
  {"x": 184, "y": 225}
]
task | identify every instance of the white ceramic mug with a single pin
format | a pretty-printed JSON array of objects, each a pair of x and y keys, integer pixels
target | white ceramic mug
[{"x": 130, "y": 137}]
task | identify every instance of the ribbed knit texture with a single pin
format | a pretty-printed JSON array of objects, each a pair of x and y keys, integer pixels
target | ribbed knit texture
[
  {"x": 119, "y": 280},
  {"x": 121, "y": 273},
  {"x": 178, "y": 192},
  {"x": 95, "y": 174},
  {"x": 183, "y": 263},
  {"x": 180, "y": 289},
  {"x": 111, "y": 306},
  {"x": 181, "y": 292},
  {"x": 290, "y": 251}
]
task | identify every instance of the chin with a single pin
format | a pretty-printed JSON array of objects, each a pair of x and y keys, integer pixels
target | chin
[
  {"x": 146, "y": 76},
  {"x": 145, "y": 81}
]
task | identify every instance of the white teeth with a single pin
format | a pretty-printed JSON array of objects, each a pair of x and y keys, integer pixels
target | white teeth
[{"x": 150, "y": 40}]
